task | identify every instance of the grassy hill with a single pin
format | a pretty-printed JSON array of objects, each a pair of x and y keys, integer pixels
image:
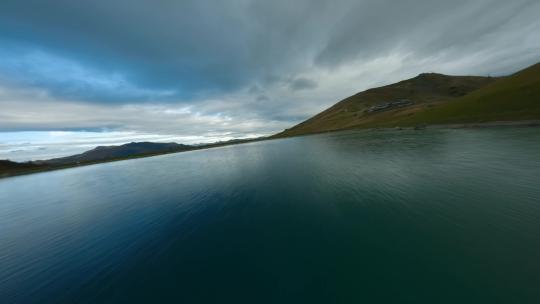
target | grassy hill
[
  {"x": 423, "y": 91},
  {"x": 512, "y": 98},
  {"x": 434, "y": 99}
]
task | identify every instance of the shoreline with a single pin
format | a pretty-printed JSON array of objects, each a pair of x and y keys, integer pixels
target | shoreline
[
  {"x": 479, "y": 125},
  {"x": 491, "y": 124},
  {"x": 522, "y": 123},
  {"x": 49, "y": 168}
]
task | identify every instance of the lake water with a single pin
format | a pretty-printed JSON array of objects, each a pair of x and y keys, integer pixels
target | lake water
[{"x": 434, "y": 216}]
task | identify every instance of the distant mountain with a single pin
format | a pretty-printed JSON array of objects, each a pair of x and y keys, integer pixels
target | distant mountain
[
  {"x": 105, "y": 153},
  {"x": 403, "y": 98}
]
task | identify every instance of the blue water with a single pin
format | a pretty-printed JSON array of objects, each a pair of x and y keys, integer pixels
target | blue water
[{"x": 434, "y": 216}]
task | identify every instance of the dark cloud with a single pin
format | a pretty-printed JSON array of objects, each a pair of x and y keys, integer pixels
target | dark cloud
[
  {"x": 302, "y": 84},
  {"x": 186, "y": 47},
  {"x": 263, "y": 98},
  {"x": 148, "y": 50}
]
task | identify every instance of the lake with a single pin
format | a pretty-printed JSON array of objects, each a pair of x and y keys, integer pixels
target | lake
[{"x": 433, "y": 216}]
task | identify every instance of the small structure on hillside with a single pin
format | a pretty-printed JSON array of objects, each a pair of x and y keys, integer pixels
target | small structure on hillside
[{"x": 390, "y": 105}]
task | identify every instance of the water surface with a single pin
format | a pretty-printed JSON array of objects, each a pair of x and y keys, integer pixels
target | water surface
[{"x": 435, "y": 216}]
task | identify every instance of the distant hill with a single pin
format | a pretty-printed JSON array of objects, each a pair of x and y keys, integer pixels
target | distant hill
[
  {"x": 108, "y": 153},
  {"x": 405, "y": 97},
  {"x": 134, "y": 149},
  {"x": 8, "y": 167}
]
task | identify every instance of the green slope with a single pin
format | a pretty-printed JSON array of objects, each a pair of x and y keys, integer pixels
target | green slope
[
  {"x": 438, "y": 99},
  {"x": 512, "y": 98},
  {"x": 425, "y": 90}
]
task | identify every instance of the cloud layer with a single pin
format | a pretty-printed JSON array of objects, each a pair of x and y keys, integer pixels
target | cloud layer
[{"x": 239, "y": 67}]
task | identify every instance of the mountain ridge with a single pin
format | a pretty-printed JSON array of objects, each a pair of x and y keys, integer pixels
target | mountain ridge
[{"x": 132, "y": 149}]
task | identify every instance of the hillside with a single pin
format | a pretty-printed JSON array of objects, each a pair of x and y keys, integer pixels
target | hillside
[
  {"x": 433, "y": 99},
  {"x": 104, "y": 153},
  {"x": 512, "y": 98},
  {"x": 402, "y": 98}
]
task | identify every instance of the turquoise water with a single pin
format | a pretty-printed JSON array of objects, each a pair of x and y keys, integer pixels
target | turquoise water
[{"x": 435, "y": 216}]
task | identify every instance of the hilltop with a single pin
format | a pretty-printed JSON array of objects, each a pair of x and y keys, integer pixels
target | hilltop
[
  {"x": 433, "y": 99},
  {"x": 512, "y": 98},
  {"x": 133, "y": 149},
  {"x": 402, "y": 98}
]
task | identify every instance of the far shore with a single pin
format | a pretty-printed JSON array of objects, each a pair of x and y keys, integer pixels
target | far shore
[
  {"x": 493, "y": 124},
  {"x": 523, "y": 123}
]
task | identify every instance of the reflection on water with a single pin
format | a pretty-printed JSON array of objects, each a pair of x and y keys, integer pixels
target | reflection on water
[{"x": 436, "y": 216}]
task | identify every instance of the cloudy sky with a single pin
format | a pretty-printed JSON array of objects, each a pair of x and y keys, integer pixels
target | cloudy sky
[{"x": 76, "y": 74}]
